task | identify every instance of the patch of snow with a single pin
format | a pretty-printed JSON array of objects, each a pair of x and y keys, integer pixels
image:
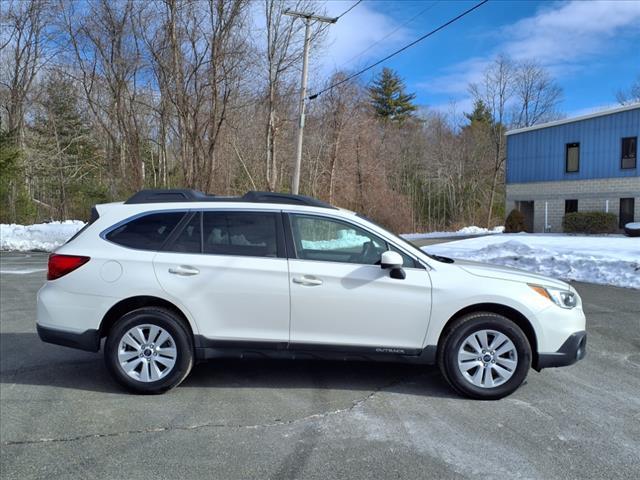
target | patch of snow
[
  {"x": 39, "y": 237},
  {"x": 608, "y": 260},
  {"x": 346, "y": 239},
  {"x": 463, "y": 232}
]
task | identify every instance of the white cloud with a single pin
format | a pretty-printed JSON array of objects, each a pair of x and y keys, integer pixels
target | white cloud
[
  {"x": 356, "y": 32},
  {"x": 457, "y": 77},
  {"x": 565, "y": 37},
  {"x": 346, "y": 41},
  {"x": 571, "y": 31}
]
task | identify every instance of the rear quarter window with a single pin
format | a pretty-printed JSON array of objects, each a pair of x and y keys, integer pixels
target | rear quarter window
[
  {"x": 94, "y": 217},
  {"x": 148, "y": 232}
]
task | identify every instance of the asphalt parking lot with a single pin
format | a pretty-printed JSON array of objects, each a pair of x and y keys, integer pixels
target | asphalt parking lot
[{"x": 61, "y": 416}]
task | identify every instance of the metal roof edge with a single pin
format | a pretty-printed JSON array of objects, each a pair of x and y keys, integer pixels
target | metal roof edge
[{"x": 600, "y": 113}]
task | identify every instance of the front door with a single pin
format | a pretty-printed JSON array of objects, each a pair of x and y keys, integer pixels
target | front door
[
  {"x": 229, "y": 269},
  {"x": 340, "y": 296},
  {"x": 527, "y": 209}
]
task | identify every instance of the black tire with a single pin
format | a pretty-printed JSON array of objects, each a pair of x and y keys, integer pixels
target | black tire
[
  {"x": 632, "y": 232},
  {"x": 461, "y": 330},
  {"x": 166, "y": 320}
]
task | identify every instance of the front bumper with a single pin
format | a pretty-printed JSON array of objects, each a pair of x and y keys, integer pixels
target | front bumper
[
  {"x": 572, "y": 350},
  {"x": 88, "y": 340}
]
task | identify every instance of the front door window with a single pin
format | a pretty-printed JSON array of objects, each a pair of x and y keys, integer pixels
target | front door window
[{"x": 328, "y": 240}]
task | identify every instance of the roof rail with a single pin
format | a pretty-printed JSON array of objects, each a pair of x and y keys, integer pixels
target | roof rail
[
  {"x": 287, "y": 198},
  {"x": 188, "y": 195},
  {"x": 168, "y": 195}
]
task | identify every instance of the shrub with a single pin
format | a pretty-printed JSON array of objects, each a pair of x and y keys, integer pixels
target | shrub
[
  {"x": 590, "y": 222},
  {"x": 515, "y": 222}
]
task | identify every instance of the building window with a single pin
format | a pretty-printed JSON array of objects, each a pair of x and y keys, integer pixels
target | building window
[
  {"x": 629, "y": 152},
  {"x": 570, "y": 206},
  {"x": 627, "y": 206},
  {"x": 572, "y": 158}
]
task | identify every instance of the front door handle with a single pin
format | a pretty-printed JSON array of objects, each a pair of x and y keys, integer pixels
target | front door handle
[
  {"x": 307, "y": 280},
  {"x": 184, "y": 270}
]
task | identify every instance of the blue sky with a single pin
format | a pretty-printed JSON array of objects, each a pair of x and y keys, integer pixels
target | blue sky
[{"x": 592, "y": 48}]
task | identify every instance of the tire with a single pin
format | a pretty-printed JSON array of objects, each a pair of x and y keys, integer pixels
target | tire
[
  {"x": 484, "y": 376},
  {"x": 149, "y": 351},
  {"x": 632, "y": 229}
]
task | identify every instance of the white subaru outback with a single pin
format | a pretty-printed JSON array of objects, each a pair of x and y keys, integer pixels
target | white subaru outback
[{"x": 171, "y": 277}]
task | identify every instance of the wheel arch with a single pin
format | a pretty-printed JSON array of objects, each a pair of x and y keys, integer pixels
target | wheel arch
[
  {"x": 509, "y": 312},
  {"x": 140, "y": 301}
]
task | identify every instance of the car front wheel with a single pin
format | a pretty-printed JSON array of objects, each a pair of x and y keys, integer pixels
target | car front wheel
[
  {"x": 149, "y": 351},
  {"x": 485, "y": 356}
]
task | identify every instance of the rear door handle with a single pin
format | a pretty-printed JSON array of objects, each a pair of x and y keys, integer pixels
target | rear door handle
[
  {"x": 307, "y": 280},
  {"x": 184, "y": 270}
]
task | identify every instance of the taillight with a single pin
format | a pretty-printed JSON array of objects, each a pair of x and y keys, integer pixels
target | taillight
[{"x": 60, "y": 265}]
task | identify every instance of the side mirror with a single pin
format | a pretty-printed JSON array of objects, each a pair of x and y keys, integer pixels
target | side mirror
[{"x": 391, "y": 260}]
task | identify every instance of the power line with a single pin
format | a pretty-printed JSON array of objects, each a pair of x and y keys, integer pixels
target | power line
[
  {"x": 360, "y": 72},
  {"x": 349, "y": 9},
  {"x": 421, "y": 12}
]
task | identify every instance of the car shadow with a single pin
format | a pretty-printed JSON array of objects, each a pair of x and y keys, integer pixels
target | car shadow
[{"x": 26, "y": 360}]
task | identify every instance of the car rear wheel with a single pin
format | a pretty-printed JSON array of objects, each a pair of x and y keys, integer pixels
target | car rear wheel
[
  {"x": 485, "y": 356},
  {"x": 149, "y": 351}
]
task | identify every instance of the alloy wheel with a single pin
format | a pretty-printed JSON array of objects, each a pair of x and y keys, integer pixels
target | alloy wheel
[
  {"x": 147, "y": 353},
  {"x": 487, "y": 358}
]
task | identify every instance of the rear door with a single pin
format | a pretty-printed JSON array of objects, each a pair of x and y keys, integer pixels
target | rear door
[
  {"x": 230, "y": 269},
  {"x": 341, "y": 297}
]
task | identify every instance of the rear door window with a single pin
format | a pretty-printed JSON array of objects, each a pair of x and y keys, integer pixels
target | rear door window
[
  {"x": 253, "y": 234},
  {"x": 148, "y": 232}
]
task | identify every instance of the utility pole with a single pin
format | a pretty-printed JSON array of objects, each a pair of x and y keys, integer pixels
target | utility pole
[{"x": 308, "y": 17}]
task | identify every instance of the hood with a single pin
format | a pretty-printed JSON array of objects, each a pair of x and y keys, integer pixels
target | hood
[{"x": 507, "y": 273}]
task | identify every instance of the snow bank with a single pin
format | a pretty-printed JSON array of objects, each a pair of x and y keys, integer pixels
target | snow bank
[
  {"x": 463, "y": 232},
  {"x": 608, "y": 260},
  {"x": 41, "y": 237}
]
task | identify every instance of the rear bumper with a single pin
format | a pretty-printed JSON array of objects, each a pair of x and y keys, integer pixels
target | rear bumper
[
  {"x": 572, "y": 350},
  {"x": 88, "y": 340}
]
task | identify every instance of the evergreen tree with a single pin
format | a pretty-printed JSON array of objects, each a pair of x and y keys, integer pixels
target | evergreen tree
[
  {"x": 64, "y": 144},
  {"x": 480, "y": 114},
  {"x": 389, "y": 98},
  {"x": 13, "y": 205}
]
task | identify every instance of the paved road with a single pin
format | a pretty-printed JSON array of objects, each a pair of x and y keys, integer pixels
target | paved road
[{"x": 61, "y": 416}]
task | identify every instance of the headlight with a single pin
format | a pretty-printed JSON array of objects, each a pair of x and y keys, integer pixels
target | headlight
[{"x": 562, "y": 298}]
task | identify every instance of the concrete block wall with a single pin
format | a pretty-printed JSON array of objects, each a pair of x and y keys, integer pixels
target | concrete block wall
[{"x": 592, "y": 195}]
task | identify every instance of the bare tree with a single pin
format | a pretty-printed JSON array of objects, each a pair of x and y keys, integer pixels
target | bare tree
[
  {"x": 283, "y": 52},
  {"x": 341, "y": 105},
  {"x": 537, "y": 95},
  {"x": 496, "y": 90},
  {"x": 632, "y": 95},
  {"x": 21, "y": 57},
  {"x": 197, "y": 54},
  {"x": 107, "y": 55}
]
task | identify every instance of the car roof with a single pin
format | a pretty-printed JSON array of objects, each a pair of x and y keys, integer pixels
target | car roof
[
  {"x": 119, "y": 210},
  {"x": 188, "y": 196}
]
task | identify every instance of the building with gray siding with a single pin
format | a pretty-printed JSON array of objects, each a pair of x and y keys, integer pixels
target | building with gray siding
[{"x": 587, "y": 163}]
